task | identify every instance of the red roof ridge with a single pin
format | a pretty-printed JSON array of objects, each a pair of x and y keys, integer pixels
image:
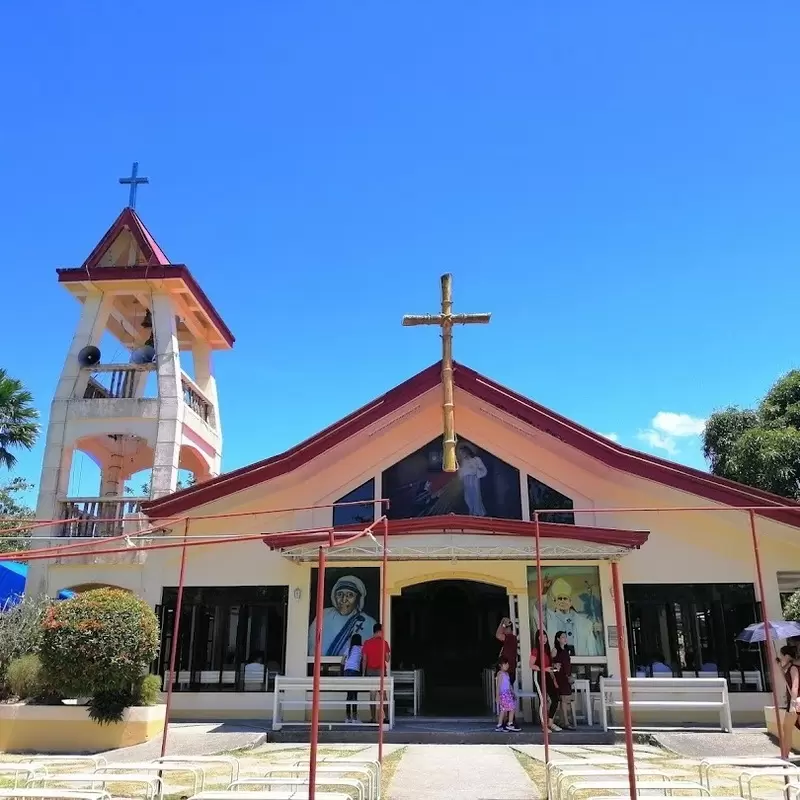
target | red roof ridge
[
  {"x": 129, "y": 219},
  {"x": 612, "y": 454}
]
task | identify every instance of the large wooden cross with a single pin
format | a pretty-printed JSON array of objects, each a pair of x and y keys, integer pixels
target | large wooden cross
[{"x": 445, "y": 320}]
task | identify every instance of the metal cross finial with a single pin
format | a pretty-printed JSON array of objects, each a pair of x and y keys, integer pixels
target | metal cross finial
[
  {"x": 445, "y": 321},
  {"x": 134, "y": 182}
]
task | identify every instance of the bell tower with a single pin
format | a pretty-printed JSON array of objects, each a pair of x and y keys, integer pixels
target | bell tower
[{"x": 122, "y": 397}]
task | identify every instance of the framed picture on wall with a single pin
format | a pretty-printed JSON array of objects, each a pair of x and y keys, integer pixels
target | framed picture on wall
[
  {"x": 352, "y": 606},
  {"x": 572, "y": 604}
]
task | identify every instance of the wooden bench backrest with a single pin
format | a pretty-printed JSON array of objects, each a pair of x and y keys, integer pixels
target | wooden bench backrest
[
  {"x": 666, "y": 685},
  {"x": 334, "y": 684}
]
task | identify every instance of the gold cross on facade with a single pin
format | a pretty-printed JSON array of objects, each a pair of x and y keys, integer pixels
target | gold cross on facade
[{"x": 445, "y": 321}]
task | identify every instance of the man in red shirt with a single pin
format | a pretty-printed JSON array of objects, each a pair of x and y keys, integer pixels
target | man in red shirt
[{"x": 374, "y": 654}]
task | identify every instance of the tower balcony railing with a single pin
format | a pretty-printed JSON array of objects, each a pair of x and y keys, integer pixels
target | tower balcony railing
[
  {"x": 116, "y": 381},
  {"x": 197, "y": 401},
  {"x": 98, "y": 517}
]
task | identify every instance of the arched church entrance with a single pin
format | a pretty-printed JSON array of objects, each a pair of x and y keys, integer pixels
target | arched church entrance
[{"x": 446, "y": 628}]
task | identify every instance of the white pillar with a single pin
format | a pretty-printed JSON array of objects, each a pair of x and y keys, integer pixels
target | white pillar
[
  {"x": 204, "y": 378},
  {"x": 170, "y": 398}
]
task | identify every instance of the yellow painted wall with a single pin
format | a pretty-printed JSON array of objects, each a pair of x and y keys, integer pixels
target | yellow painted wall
[{"x": 68, "y": 729}]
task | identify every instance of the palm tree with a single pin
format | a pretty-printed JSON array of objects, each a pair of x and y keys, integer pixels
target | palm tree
[{"x": 19, "y": 426}]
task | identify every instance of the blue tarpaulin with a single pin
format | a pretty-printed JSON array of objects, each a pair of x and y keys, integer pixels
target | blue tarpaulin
[{"x": 12, "y": 583}]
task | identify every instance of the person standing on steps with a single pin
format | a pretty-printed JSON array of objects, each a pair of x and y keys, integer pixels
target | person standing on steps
[
  {"x": 563, "y": 678},
  {"x": 552, "y": 698},
  {"x": 352, "y": 668},
  {"x": 791, "y": 673},
  {"x": 508, "y": 647},
  {"x": 506, "y": 699},
  {"x": 375, "y": 655}
]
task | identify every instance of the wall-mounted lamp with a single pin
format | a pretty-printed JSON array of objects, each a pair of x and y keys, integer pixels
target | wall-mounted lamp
[{"x": 298, "y": 593}]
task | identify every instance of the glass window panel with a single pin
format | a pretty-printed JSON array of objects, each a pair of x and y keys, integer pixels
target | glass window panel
[
  {"x": 231, "y": 638},
  {"x": 360, "y": 514},
  {"x": 541, "y": 496},
  {"x": 692, "y": 629}
]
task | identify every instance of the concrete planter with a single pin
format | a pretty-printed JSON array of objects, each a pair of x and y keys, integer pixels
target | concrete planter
[
  {"x": 769, "y": 719},
  {"x": 68, "y": 729}
]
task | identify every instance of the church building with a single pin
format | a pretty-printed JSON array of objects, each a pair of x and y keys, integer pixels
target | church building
[{"x": 461, "y": 544}]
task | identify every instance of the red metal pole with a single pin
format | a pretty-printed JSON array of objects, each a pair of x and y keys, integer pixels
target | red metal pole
[
  {"x": 176, "y": 628},
  {"x": 624, "y": 672},
  {"x": 384, "y": 586},
  {"x": 542, "y": 674},
  {"x": 312, "y": 764},
  {"x": 768, "y": 638}
]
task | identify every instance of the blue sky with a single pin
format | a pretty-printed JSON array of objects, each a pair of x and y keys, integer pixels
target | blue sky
[{"x": 616, "y": 182}]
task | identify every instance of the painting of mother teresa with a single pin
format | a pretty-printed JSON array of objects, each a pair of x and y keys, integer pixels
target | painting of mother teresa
[{"x": 352, "y": 597}]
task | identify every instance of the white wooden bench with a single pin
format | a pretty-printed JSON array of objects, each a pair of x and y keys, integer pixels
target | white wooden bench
[
  {"x": 362, "y": 771},
  {"x": 21, "y": 769},
  {"x": 302, "y": 782},
  {"x": 203, "y": 762},
  {"x": 408, "y": 683},
  {"x": 295, "y": 693},
  {"x": 721, "y": 762},
  {"x": 568, "y": 773},
  {"x": 149, "y": 767},
  {"x": 62, "y": 761},
  {"x": 373, "y": 766},
  {"x": 748, "y": 776},
  {"x": 668, "y": 694},
  {"x": 288, "y": 794},
  {"x": 641, "y": 785},
  {"x": 152, "y": 784},
  {"x": 53, "y": 793}
]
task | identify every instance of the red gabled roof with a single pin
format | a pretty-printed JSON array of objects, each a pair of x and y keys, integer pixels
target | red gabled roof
[
  {"x": 157, "y": 267},
  {"x": 129, "y": 219},
  {"x": 611, "y": 454},
  {"x": 457, "y": 523}
]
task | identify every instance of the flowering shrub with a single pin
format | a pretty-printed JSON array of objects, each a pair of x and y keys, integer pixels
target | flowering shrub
[{"x": 97, "y": 645}]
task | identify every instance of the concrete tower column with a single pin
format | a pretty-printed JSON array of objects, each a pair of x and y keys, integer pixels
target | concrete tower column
[{"x": 171, "y": 407}]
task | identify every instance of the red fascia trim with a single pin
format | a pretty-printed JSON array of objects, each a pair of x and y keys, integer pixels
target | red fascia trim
[
  {"x": 692, "y": 481},
  {"x": 455, "y": 523},
  {"x": 147, "y": 272},
  {"x": 613, "y": 455}
]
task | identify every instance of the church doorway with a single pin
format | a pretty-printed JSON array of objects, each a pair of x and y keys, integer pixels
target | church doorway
[{"x": 446, "y": 628}]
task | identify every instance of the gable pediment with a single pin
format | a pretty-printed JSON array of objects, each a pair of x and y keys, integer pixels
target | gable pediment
[{"x": 577, "y": 456}]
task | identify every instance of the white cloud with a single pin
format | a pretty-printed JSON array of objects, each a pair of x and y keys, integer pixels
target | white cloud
[
  {"x": 658, "y": 441},
  {"x": 673, "y": 424},
  {"x": 667, "y": 427},
  {"x": 613, "y": 436}
]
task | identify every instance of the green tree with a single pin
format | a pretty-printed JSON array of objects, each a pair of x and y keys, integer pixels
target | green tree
[
  {"x": 759, "y": 447},
  {"x": 19, "y": 420},
  {"x": 13, "y": 512}
]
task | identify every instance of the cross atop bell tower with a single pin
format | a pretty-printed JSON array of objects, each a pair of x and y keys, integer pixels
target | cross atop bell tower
[{"x": 123, "y": 397}]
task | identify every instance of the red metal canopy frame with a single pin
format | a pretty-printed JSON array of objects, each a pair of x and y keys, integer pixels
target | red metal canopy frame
[{"x": 329, "y": 538}]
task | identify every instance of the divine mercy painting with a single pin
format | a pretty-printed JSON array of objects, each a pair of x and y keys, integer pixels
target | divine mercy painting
[{"x": 483, "y": 486}]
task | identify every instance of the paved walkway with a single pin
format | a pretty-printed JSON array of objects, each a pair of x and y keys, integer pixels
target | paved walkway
[
  {"x": 194, "y": 739},
  {"x": 460, "y": 772}
]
